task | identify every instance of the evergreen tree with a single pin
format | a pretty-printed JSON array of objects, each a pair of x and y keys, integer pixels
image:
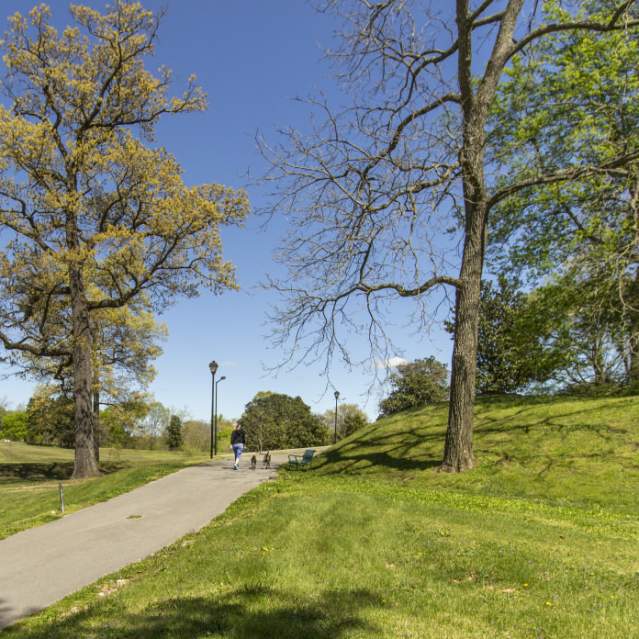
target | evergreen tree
[{"x": 174, "y": 433}]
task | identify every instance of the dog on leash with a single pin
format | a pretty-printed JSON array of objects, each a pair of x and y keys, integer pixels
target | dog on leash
[
  {"x": 253, "y": 462},
  {"x": 266, "y": 462}
]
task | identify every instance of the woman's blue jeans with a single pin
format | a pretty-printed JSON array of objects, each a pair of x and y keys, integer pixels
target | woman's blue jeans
[{"x": 237, "y": 450}]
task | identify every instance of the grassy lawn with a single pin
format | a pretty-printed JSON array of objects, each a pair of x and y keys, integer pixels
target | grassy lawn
[
  {"x": 540, "y": 541},
  {"x": 29, "y": 478}
]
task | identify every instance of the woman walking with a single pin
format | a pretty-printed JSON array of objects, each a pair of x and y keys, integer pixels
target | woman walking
[{"x": 238, "y": 441}]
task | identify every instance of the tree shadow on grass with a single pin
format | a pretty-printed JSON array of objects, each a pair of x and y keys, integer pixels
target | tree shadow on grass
[
  {"x": 41, "y": 472},
  {"x": 401, "y": 451},
  {"x": 258, "y": 612}
]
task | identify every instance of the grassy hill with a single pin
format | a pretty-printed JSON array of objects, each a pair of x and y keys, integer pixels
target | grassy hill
[
  {"x": 560, "y": 450},
  {"x": 29, "y": 478},
  {"x": 539, "y": 541}
]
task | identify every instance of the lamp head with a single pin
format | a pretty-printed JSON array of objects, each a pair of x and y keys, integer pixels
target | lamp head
[
  {"x": 222, "y": 378},
  {"x": 336, "y": 393},
  {"x": 213, "y": 367}
]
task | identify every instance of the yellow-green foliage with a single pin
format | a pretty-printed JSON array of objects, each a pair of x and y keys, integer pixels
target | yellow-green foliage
[{"x": 95, "y": 215}]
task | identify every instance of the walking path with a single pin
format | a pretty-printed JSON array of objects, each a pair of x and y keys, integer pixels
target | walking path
[{"x": 44, "y": 564}]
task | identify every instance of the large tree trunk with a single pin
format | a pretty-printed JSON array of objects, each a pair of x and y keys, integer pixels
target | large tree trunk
[
  {"x": 86, "y": 463},
  {"x": 458, "y": 451}
]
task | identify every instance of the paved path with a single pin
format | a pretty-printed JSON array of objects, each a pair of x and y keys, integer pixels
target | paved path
[{"x": 44, "y": 564}]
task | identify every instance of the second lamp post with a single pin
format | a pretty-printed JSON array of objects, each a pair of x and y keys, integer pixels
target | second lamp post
[
  {"x": 336, "y": 398},
  {"x": 213, "y": 368}
]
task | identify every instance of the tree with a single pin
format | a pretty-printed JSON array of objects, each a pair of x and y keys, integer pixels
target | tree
[
  {"x": 574, "y": 98},
  {"x": 156, "y": 421},
  {"x": 196, "y": 435},
  {"x": 97, "y": 216},
  {"x": 274, "y": 420},
  {"x": 50, "y": 418},
  {"x": 14, "y": 425},
  {"x": 416, "y": 384},
  {"x": 373, "y": 189},
  {"x": 125, "y": 344},
  {"x": 4, "y": 406},
  {"x": 350, "y": 417},
  {"x": 118, "y": 422},
  {"x": 353, "y": 421},
  {"x": 519, "y": 341},
  {"x": 591, "y": 332},
  {"x": 174, "y": 433}
]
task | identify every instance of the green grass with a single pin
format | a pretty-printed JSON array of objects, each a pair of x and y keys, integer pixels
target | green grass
[
  {"x": 29, "y": 478},
  {"x": 539, "y": 541}
]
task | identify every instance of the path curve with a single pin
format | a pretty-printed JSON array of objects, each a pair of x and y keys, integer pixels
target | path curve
[{"x": 44, "y": 564}]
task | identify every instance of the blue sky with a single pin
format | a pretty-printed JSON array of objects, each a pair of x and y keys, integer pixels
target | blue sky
[{"x": 252, "y": 58}]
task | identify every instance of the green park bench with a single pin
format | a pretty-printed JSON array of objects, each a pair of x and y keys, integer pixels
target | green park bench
[{"x": 298, "y": 461}]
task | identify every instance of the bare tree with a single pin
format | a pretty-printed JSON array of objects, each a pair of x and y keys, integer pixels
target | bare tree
[{"x": 391, "y": 196}]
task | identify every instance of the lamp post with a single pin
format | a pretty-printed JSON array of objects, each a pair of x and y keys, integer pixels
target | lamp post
[
  {"x": 216, "y": 411},
  {"x": 213, "y": 368},
  {"x": 336, "y": 398}
]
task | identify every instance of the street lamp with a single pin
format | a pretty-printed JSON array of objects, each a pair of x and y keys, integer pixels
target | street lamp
[
  {"x": 336, "y": 393},
  {"x": 213, "y": 368},
  {"x": 217, "y": 411}
]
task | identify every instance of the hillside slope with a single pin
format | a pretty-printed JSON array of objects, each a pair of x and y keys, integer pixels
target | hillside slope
[{"x": 566, "y": 450}]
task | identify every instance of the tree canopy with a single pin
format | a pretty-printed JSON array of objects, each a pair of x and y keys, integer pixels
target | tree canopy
[
  {"x": 416, "y": 384},
  {"x": 275, "y": 420},
  {"x": 97, "y": 215}
]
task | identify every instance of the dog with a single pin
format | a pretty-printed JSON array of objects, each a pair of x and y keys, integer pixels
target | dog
[
  {"x": 253, "y": 462},
  {"x": 266, "y": 462}
]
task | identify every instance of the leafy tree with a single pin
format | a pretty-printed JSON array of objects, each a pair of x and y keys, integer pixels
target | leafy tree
[
  {"x": 520, "y": 342},
  {"x": 120, "y": 421},
  {"x": 124, "y": 346},
  {"x": 14, "y": 426},
  {"x": 590, "y": 333},
  {"x": 95, "y": 215},
  {"x": 156, "y": 420},
  {"x": 196, "y": 435},
  {"x": 50, "y": 418},
  {"x": 416, "y": 384},
  {"x": 374, "y": 189},
  {"x": 573, "y": 98},
  {"x": 3, "y": 409},
  {"x": 350, "y": 417},
  {"x": 274, "y": 420},
  {"x": 352, "y": 422}
]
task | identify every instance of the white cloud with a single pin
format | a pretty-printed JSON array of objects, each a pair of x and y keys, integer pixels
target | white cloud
[{"x": 392, "y": 362}]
